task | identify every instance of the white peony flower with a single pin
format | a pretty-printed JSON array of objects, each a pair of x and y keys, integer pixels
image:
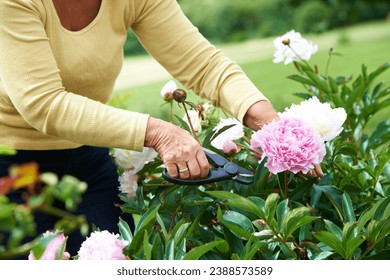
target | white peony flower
[
  {"x": 128, "y": 183},
  {"x": 293, "y": 47},
  {"x": 325, "y": 120},
  {"x": 167, "y": 90},
  {"x": 233, "y": 133},
  {"x": 195, "y": 120},
  {"x": 128, "y": 159}
]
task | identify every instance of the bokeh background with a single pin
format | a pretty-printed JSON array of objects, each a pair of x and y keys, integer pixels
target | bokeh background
[{"x": 244, "y": 30}]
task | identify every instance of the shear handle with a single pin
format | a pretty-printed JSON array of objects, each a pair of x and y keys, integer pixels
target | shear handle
[{"x": 214, "y": 176}]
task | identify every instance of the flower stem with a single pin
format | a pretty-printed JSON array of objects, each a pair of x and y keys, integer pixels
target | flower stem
[
  {"x": 171, "y": 112},
  {"x": 285, "y": 186},
  {"x": 190, "y": 123},
  {"x": 18, "y": 251},
  {"x": 328, "y": 62},
  {"x": 256, "y": 152}
]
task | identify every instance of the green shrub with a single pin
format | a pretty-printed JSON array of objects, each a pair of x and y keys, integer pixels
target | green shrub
[{"x": 312, "y": 16}]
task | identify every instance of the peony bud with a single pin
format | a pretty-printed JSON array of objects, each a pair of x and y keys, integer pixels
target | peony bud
[
  {"x": 230, "y": 148},
  {"x": 167, "y": 91},
  {"x": 286, "y": 41},
  {"x": 179, "y": 95}
]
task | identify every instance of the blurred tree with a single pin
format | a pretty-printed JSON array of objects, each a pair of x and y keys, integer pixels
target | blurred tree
[{"x": 237, "y": 20}]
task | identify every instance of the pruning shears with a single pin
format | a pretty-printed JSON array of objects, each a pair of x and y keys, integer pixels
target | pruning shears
[{"x": 223, "y": 170}]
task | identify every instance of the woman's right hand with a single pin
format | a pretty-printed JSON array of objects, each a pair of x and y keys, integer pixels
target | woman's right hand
[{"x": 182, "y": 155}]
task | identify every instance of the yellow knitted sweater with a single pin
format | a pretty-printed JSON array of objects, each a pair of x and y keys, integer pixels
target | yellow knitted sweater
[{"x": 54, "y": 82}]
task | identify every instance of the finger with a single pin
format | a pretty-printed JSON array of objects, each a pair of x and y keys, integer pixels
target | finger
[
  {"x": 194, "y": 169},
  {"x": 172, "y": 170},
  {"x": 183, "y": 170},
  {"x": 203, "y": 164},
  {"x": 318, "y": 170}
]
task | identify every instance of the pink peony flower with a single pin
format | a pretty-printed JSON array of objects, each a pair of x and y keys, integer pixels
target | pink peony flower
[
  {"x": 230, "y": 148},
  {"x": 51, "y": 249},
  {"x": 102, "y": 245},
  {"x": 289, "y": 144}
]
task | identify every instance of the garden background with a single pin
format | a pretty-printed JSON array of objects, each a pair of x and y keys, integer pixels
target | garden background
[{"x": 245, "y": 30}]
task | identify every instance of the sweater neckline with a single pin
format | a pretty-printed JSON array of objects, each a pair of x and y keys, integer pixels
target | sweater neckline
[{"x": 83, "y": 30}]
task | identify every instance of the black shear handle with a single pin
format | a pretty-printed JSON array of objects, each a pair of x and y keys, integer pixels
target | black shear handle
[{"x": 214, "y": 176}]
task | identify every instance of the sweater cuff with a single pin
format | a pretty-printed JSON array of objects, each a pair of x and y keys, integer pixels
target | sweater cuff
[{"x": 137, "y": 131}]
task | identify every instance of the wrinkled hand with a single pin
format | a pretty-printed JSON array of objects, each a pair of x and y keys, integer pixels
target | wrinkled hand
[
  {"x": 182, "y": 155},
  {"x": 262, "y": 113}
]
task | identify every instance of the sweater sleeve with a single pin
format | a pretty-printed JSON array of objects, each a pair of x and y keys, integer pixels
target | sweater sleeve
[
  {"x": 31, "y": 78},
  {"x": 177, "y": 45}
]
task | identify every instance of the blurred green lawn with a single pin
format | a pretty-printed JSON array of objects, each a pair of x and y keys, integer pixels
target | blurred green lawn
[{"x": 367, "y": 44}]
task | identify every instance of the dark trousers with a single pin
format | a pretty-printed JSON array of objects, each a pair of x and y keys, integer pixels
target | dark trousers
[{"x": 88, "y": 164}]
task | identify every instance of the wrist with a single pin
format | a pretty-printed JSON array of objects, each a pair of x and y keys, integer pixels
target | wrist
[
  {"x": 259, "y": 114},
  {"x": 152, "y": 131}
]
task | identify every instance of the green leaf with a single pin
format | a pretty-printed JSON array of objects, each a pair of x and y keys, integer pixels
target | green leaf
[
  {"x": 376, "y": 230},
  {"x": 294, "y": 219},
  {"x": 261, "y": 176},
  {"x": 253, "y": 250},
  {"x": 334, "y": 229},
  {"x": 331, "y": 240},
  {"x": 145, "y": 223},
  {"x": 238, "y": 201},
  {"x": 379, "y": 71},
  {"x": 318, "y": 82},
  {"x": 157, "y": 248},
  {"x": 194, "y": 200},
  {"x": 382, "y": 210},
  {"x": 348, "y": 212},
  {"x": 379, "y": 211},
  {"x": 4, "y": 150},
  {"x": 39, "y": 248},
  {"x": 321, "y": 256},
  {"x": 333, "y": 85},
  {"x": 270, "y": 206},
  {"x": 199, "y": 251},
  {"x": 162, "y": 225},
  {"x": 183, "y": 124},
  {"x": 349, "y": 232},
  {"x": 303, "y": 95},
  {"x": 333, "y": 194},
  {"x": 147, "y": 218},
  {"x": 301, "y": 80},
  {"x": 380, "y": 136},
  {"x": 352, "y": 245},
  {"x": 180, "y": 233},
  {"x": 213, "y": 134},
  {"x": 147, "y": 249},
  {"x": 239, "y": 224},
  {"x": 125, "y": 231},
  {"x": 170, "y": 250},
  {"x": 281, "y": 211},
  {"x": 181, "y": 250}
]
